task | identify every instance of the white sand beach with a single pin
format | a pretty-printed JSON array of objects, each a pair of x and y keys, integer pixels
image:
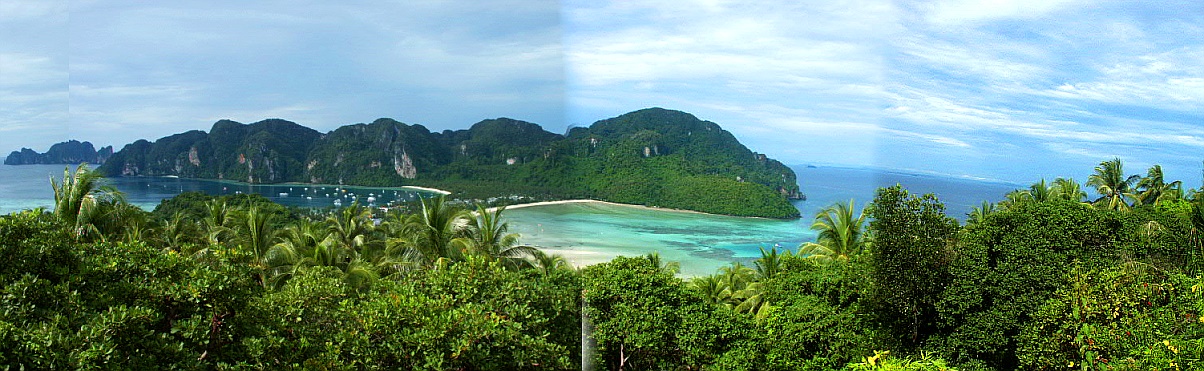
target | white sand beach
[
  {"x": 581, "y": 201},
  {"x": 439, "y": 191}
]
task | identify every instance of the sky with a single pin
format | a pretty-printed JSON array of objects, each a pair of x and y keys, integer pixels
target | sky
[{"x": 993, "y": 89}]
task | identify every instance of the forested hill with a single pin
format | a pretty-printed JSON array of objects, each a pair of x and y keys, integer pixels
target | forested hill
[
  {"x": 653, "y": 157},
  {"x": 69, "y": 152}
]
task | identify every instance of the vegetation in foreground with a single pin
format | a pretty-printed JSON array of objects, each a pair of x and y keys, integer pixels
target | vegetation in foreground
[{"x": 1045, "y": 280}]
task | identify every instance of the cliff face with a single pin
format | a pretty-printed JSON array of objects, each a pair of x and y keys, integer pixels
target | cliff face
[
  {"x": 269, "y": 151},
  {"x": 654, "y": 157},
  {"x": 69, "y": 152}
]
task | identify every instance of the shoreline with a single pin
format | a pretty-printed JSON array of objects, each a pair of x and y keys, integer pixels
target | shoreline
[
  {"x": 589, "y": 201},
  {"x": 286, "y": 184}
]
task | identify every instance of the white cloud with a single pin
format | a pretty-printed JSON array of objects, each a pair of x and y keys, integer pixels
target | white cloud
[
  {"x": 1172, "y": 79},
  {"x": 957, "y": 12}
]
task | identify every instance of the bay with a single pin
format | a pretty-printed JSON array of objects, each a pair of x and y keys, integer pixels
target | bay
[
  {"x": 28, "y": 186},
  {"x": 592, "y": 233},
  {"x": 584, "y": 233}
]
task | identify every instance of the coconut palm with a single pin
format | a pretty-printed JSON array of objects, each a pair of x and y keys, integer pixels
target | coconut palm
[
  {"x": 752, "y": 301},
  {"x": 667, "y": 267},
  {"x": 547, "y": 264},
  {"x": 176, "y": 232},
  {"x": 980, "y": 213},
  {"x": 429, "y": 234},
  {"x": 1069, "y": 190},
  {"x": 737, "y": 276},
  {"x": 486, "y": 236},
  {"x": 350, "y": 227},
  {"x": 1155, "y": 190},
  {"x": 840, "y": 234},
  {"x": 712, "y": 288},
  {"x": 300, "y": 245},
  {"x": 1016, "y": 198},
  {"x": 1041, "y": 191},
  {"x": 257, "y": 236},
  {"x": 1109, "y": 181},
  {"x": 80, "y": 201},
  {"x": 215, "y": 225},
  {"x": 770, "y": 263}
]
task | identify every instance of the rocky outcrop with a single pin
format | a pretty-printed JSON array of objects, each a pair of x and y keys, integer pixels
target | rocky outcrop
[{"x": 69, "y": 152}]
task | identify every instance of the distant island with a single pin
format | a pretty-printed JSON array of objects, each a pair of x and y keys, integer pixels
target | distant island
[
  {"x": 69, "y": 152},
  {"x": 653, "y": 157}
]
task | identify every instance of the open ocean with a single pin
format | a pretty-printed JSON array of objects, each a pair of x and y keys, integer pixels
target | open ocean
[{"x": 583, "y": 233}]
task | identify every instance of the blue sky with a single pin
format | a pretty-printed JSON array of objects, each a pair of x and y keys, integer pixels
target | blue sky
[{"x": 1008, "y": 90}]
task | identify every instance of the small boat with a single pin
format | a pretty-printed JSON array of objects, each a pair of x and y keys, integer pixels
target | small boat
[{"x": 283, "y": 194}]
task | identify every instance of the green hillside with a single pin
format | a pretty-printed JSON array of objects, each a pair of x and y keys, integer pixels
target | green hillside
[{"x": 654, "y": 157}]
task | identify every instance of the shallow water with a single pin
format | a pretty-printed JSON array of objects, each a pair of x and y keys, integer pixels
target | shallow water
[
  {"x": 591, "y": 233},
  {"x": 583, "y": 233}
]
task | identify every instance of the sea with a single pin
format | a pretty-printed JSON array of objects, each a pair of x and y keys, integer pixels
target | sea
[{"x": 584, "y": 233}]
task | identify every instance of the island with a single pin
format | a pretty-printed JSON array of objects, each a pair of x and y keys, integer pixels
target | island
[
  {"x": 652, "y": 157},
  {"x": 69, "y": 152}
]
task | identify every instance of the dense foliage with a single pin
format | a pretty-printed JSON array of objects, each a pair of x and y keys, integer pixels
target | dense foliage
[
  {"x": 1043, "y": 281},
  {"x": 652, "y": 157}
]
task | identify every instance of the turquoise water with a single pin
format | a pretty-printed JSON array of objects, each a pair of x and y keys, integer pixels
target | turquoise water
[
  {"x": 591, "y": 233},
  {"x": 583, "y": 233}
]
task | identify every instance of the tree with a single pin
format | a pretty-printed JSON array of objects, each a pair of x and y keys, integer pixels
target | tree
[
  {"x": 547, "y": 264},
  {"x": 669, "y": 267},
  {"x": 840, "y": 234},
  {"x": 257, "y": 237},
  {"x": 487, "y": 236},
  {"x": 712, "y": 288},
  {"x": 910, "y": 259},
  {"x": 770, "y": 262},
  {"x": 429, "y": 234},
  {"x": 82, "y": 202},
  {"x": 633, "y": 306},
  {"x": 1068, "y": 189},
  {"x": 979, "y": 213},
  {"x": 1154, "y": 189},
  {"x": 1109, "y": 181}
]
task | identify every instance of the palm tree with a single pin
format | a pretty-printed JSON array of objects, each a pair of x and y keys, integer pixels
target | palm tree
[
  {"x": 1069, "y": 190},
  {"x": 300, "y": 245},
  {"x": 215, "y": 224},
  {"x": 752, "y": 301},
  {"x": 1155, "y": 190},
  {"x": 350, "y": 227},
  {"x": 712, "y": 288},
  {"x": 257, "y": 238},
  {"x": 980, "y": 213},
  {"x": 1110, "y": 182},
  {"x": 1041, "y": 192},
  {"x": 430, "y": 234},
  {"x": 547, "y": 264},
  {"x": 81, "y": 201},
  {"x": 736, "y": 276},
  {"x": 770, "y": 262},
  {"x": 176, "y": 232},
  {"x": 840, "y": 234},
  {"x": 486, "y": 236},
  {"x": 1016, "y": 198},
  {"x": 667, "y": 267}
]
